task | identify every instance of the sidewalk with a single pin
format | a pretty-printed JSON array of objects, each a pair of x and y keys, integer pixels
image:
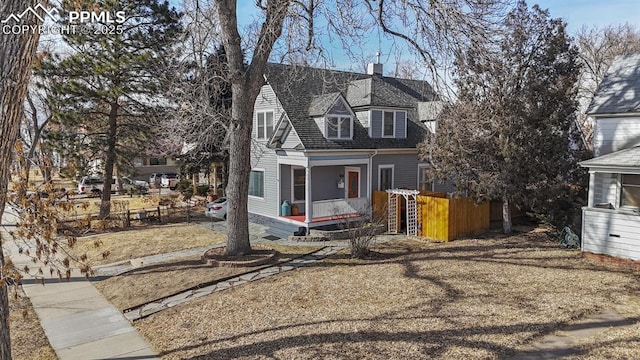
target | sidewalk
[{"x": 79, "y": 322}]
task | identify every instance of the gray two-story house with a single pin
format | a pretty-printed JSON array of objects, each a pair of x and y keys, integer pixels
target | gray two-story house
[
  {"x": 324, "y": 140},
  {"x": 611, "y": 221}
]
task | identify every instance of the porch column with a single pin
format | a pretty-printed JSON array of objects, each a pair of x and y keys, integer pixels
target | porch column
[
  {"x": 592, "y": 188},
  {"x": 308, "y": 206}
]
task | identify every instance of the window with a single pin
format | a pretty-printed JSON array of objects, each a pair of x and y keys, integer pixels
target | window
[
  {"x": 385, "y": 177},
  {"x": 265, "y": 125},
  {"x": 425, "y": 183},
  {"x": 338, "y": 127},
  {"x": 630, "y": 190},
  {"x": 299, "y": 182},
  {"x": 158, "y": 161},
  {"x": 388, "y": 124},
  {"x": 256, "y": 183}
]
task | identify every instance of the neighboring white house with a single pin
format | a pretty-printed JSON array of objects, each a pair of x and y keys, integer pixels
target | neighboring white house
[
  {"x": 324, "y": 140},
  {"x": 611, "y": 221}
]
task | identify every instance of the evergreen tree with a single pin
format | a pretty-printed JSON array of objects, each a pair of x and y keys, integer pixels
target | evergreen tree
[
  {"x": 109, "y": 91},
  {"x": 509, "y": 136}
]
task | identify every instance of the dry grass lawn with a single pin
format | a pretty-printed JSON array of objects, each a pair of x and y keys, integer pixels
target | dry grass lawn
[
  {"x": 160, "y": 280},
  {"x": 28, "y": 341},
  {"x": 468, "y": 299},
  {"x": 131, "y": 244},
  {"x": 91, "y": 205}
]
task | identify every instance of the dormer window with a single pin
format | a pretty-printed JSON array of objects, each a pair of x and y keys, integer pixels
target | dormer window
[
  {"x": 339, "y": 127},
  {"x": 264, "y": 124},
  {"x": 389, "y": 124}
]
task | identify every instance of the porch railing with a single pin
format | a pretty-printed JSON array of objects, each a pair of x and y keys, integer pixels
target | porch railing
[{"x": 336, "y": 207}]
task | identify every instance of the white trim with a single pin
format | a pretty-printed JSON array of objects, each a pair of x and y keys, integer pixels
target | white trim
[
  {"x": 263, "y": 183},
  {"x": 393, "y": 120},
  {"x": 340, "y": 162},
  {"x": 339, "y": 126},
  {"x": 393, "y": 175},
  {"x": 344, "y": 102},
  {"x": 420, "y": 167},
  {"x": 348, "y": 169},
  {"x": 273, "y": 123},
  {"x": 293, "y": 200},
  {"x": 390, "y": 151},
  {"x": 613, "y": 169}
]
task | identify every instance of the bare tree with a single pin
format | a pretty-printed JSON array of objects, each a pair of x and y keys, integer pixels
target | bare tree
[
  {"x": 296, "y": 32},
  {"x": 598, "y": 47},
  {"x": 16, "y": 55}
]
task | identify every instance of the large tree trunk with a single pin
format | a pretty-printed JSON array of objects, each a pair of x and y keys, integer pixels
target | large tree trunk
[
  {"x": 16, "y": 55},
  {"x": 239, "y": 168},
  {"x": 506, "y": 215},
  {"x": 105, "y": 205}
]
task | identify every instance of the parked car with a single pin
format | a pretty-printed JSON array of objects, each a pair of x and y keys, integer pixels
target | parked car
[
  {"x": 92, "y": 185},
  {"x": 169, "y": 180},
  {"x": 154, "y": 179},
  {"x": 217, "y": 209},
  {"x": 131, "y": 182}
]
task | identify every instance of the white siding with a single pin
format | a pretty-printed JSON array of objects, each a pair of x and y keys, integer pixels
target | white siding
[
  {"x": 613, "y": 134},
  {"x": 265, "y": 158},
  {"x": 363, "y": 117},
  {"x": 612, "y": 233},
  {"x": 266, "y": 101},
  {"x": 606, "y": 189},
  {"x": 291, "y": 140}
]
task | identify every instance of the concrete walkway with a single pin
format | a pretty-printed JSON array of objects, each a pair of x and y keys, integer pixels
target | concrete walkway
[{"x": 79, "y": 322}]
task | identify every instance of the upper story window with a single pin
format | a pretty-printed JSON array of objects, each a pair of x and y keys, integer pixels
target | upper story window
[
  {"x": 339, "y": 127},
  {"x": 264, "y": 126},
  {"x": 389, "y": 124}
]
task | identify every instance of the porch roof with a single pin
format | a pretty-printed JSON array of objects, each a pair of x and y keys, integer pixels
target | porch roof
[{"x": 627, "y": 158}]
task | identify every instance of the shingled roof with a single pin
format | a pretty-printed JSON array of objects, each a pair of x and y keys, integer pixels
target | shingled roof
[
  {"x": 305, "y": 91},
  {"x": 619, "y": 92}
]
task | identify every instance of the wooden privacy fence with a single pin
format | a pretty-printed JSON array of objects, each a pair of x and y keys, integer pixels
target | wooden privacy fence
[
  {"x": 448, "y": 219},
  {"x": 441, "y": 218}
]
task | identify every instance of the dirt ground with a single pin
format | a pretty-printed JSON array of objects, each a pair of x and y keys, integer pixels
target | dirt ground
[
  {"x": 28, "y": 341},
  {"x": 160, "y": 280},
  {"x": 471, "y": 299}
]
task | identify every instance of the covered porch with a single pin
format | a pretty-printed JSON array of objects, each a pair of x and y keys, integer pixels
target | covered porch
[
  {"x": 611, "y": 219},
  {"x": 338, "y": 188}
]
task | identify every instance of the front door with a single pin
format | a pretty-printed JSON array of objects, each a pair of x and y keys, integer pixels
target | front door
[{"x": 353, "y": 184}]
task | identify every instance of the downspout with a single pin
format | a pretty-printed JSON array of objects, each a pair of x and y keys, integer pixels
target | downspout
[{"x": 369, "y": 182}]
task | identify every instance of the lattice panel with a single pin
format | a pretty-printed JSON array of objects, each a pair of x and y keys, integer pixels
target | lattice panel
[
  {"x": 392, "y": 211},
  {"x": 412, "y": 228}
]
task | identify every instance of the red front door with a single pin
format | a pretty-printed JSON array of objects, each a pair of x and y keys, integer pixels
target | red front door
[{"x": 353, "y": 178}]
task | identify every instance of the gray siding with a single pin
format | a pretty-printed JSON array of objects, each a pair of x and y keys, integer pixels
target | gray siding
[
  {"x": 285, "y": 183},
  {"x": 376, "y": 124},
  {"x": 613, "y": 134},
  {"x": 606, "y": 189},
  {"x": 405, "y": 172},
  {"x": 325, "y": 182},
  {"x": 401, "y": 125},
  {"x": 611, "y": 233}
]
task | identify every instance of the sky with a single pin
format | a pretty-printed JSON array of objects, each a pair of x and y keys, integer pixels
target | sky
[{"x": 577, "y": 13}]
